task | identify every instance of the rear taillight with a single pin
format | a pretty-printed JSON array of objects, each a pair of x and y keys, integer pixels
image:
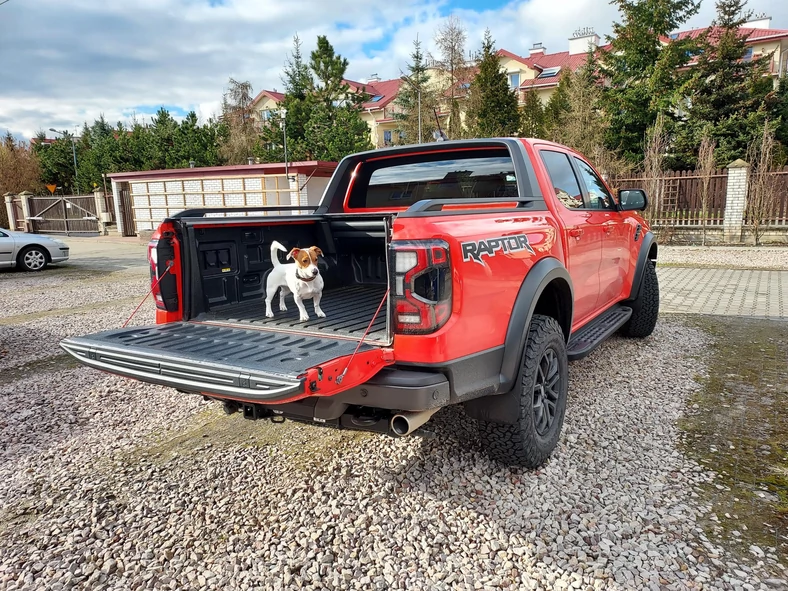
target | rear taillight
[
  {"x": 421, "y": 285},
  {"x": 161, "y": 256},
  {"x": 153, "y": 259}
]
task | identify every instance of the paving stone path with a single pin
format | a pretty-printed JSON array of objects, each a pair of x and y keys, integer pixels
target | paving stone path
[{"x": 725, "y": 292}]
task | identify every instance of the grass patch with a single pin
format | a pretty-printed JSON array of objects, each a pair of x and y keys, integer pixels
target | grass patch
[
  {"x": 22, "y": 318},
  {"x": 60, "y": 362},
  {"x": 737, "y": 426},
  {"x": 300, "y": 445}
]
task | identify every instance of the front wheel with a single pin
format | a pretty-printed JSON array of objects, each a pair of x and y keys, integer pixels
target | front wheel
[
  {"x": 32, "y": 258},
  {"x": 543, "y": 386},
  {"x": 645, "y": 307}
]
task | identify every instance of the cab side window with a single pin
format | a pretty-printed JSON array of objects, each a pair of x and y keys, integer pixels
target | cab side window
[
  {"x": 598, "y": 195},
  {"x": 567, "y": 189}
]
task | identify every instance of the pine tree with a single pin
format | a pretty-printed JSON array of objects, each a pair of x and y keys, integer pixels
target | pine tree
[
  {"x": 780, "y": 116},
  {"x": 642, "y": 70},
  {"x": 299, "y": 101},
  {"x": 726, "y": 91},
  {"x": 532, "y": 119},
  {"x": 329, "y": 69},
  {"x": 556, "y": 109},
  {"x": 493, "y": 110},
  {"x": 407, "y": 101},
  {"x": 335, "y": 127},
  {"x": 57, "y": 161}
]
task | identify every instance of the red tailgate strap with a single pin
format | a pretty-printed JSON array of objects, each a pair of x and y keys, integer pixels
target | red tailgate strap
[
  {"x": 341, "y": 376},
  {"x": 152, "y": 287}
]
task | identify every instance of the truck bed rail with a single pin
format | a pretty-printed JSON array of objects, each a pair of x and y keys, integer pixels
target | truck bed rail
[{"x": 429, "y": 207}]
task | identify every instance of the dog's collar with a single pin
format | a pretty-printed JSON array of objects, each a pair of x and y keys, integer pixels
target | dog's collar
[{"x": 312, "y": 278}]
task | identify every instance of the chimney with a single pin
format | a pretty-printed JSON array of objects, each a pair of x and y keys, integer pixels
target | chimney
[
  {"x": 758, "y": 21},
  {"x": 582, "y": 40},
  {"x": 537, "y": 50}
]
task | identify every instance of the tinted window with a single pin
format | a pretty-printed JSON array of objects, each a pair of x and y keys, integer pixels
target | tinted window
[
  {"x": 565, "y": 185},
  {"x": 598, "y": 195},
  {"x": 401, "y": 182}
]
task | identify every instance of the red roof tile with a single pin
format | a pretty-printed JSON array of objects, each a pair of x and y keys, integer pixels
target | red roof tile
[
  {"x": 752, "y": 34},
  {"x": 387, "y": 89},
  {"x": 552, "y": 60}
]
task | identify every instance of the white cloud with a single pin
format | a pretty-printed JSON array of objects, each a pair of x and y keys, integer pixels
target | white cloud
[{"x": 67, "y": 62}]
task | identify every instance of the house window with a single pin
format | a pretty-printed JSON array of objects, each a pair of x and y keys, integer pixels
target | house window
[
  {"x": 549, "y": 72},
  {"x": 376, "y": 98},
  {"x": 748, "y": 54},
  {"x": 387, "y": 137},
  {"x": 514, "y": 80},
  {"x": 265, "y": 114}
]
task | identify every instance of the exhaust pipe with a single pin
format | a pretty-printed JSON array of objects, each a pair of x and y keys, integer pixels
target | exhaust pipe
[{"x": 407, "y": 422}]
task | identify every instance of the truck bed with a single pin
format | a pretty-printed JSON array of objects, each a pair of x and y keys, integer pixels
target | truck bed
[{"x": 348, "y": 309}]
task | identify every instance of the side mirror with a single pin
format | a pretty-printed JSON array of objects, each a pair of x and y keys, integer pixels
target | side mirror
[{"x": 632, "y": 199}]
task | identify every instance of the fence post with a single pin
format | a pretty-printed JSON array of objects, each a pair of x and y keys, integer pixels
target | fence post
[
  {"x": 735, "y": 201},
  {"x": 9, "y": 207},
  {"x": 101, "y": 210},
  {"x": 25, "y": 198}
]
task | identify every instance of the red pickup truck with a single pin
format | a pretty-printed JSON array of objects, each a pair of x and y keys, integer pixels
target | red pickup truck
[{"x": 463, "y": 272}]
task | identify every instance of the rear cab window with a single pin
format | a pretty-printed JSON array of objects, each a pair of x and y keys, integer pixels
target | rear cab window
[{"x": 396, "y": 183}]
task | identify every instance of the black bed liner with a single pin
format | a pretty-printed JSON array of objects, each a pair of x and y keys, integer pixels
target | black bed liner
[
  {"x": 349, "y": 311},
  {"x": 235, "y": 362}
]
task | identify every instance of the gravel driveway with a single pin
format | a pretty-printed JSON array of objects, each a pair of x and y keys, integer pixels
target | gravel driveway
[{"x": 110, "y": 484}]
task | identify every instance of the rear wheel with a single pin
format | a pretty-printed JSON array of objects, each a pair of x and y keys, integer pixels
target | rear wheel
[
  {"x": 32, "y": 258},
  {"x": 645, "y": 307},
  {"x": 542, "y": 391}
]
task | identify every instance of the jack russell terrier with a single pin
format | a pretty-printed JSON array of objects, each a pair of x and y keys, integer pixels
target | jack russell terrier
[{"x": 301, "y": 278}]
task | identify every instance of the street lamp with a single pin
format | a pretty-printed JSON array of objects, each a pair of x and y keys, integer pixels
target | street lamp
[
  {"x": 73, "y": 152},
  {"x": 418, "y": 94},
  {"x": 283, "y": 114}
]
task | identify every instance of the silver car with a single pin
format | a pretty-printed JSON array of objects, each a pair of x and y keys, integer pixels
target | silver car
[{"x": 31, "y": 252}]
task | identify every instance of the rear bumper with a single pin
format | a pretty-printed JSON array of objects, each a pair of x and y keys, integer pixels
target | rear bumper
[
  {"x": 400, "y": 389},
  {"x": 391, "y": 390}
]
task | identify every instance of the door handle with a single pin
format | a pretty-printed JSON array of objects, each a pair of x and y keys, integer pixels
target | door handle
[{"x": 576, "y": 232}]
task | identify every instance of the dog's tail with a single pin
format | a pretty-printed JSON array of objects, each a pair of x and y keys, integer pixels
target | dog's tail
[{"x": 274, "y": 257}]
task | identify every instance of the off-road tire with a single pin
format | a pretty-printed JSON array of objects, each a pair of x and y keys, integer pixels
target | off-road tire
[
  {"x": 522, "y": 443},
  {"x": 32, "y": 258},
  {"x": 645, "y": 308}
]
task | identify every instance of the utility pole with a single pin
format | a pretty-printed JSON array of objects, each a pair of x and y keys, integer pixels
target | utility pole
[{"x": 73, "y": 152}]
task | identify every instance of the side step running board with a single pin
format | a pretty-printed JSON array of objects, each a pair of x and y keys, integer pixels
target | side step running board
[{"x": 593, "y": 334}]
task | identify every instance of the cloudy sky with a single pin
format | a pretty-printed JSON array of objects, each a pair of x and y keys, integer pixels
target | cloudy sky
[{"x": 66, "y": 61}]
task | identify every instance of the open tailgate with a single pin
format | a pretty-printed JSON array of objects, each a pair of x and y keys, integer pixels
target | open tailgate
[{"x": 228, "y": 362}]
